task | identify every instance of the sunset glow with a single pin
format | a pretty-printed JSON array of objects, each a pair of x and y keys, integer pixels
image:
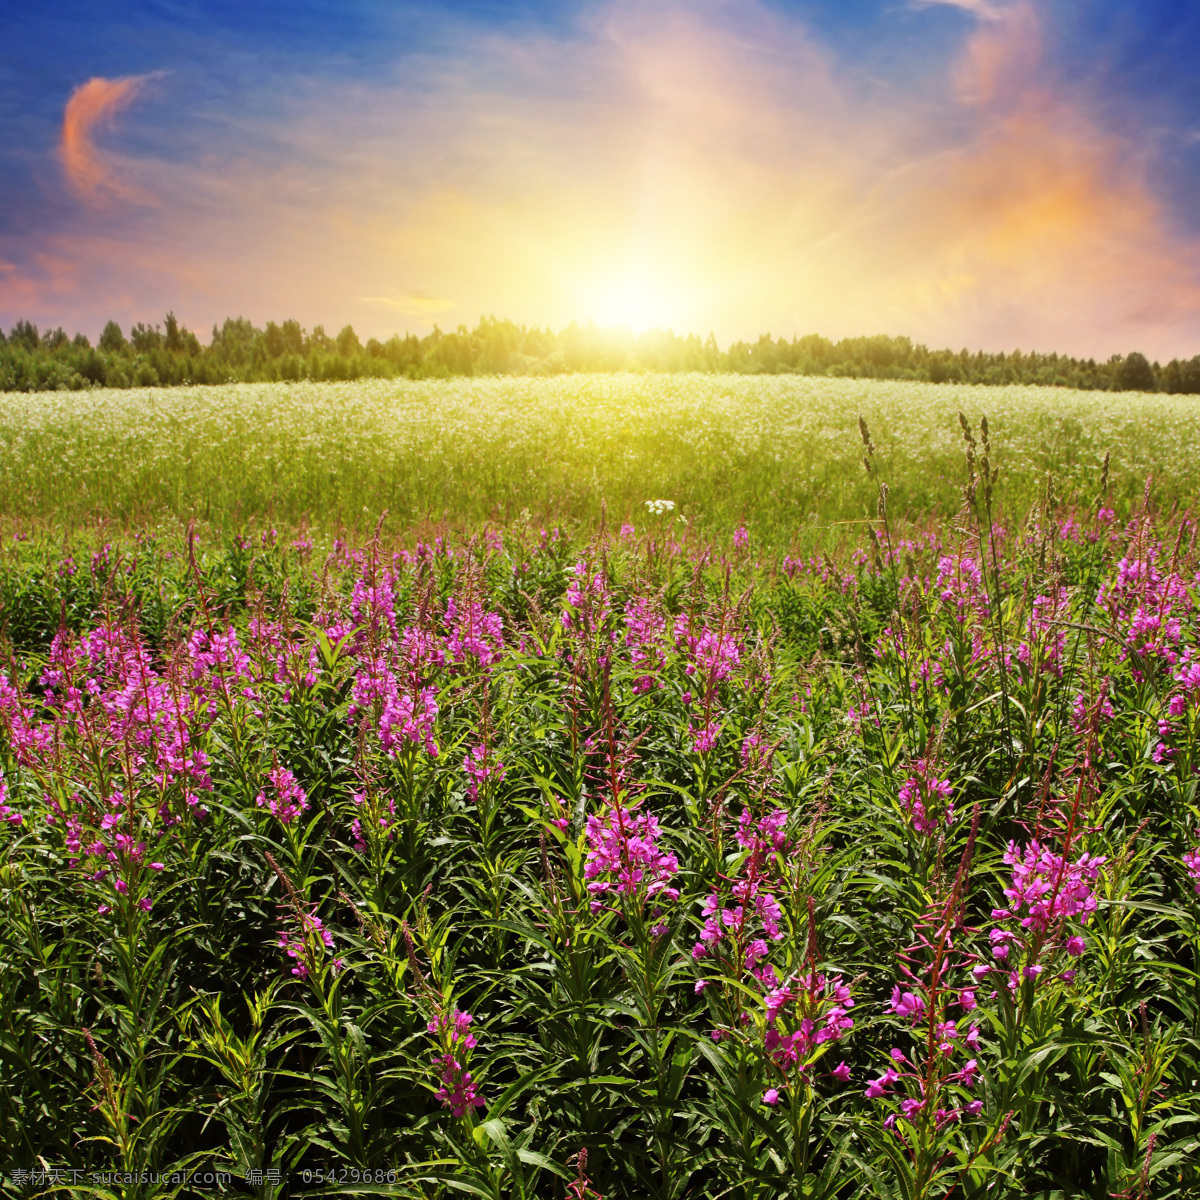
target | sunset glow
[{"x": 989, "y": 175}]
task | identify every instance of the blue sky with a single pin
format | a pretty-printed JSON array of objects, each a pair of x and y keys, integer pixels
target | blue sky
[{"x": 989, "y": 173}]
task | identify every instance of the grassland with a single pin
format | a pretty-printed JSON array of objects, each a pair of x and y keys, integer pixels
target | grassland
[{"x": 781, "y": 453}]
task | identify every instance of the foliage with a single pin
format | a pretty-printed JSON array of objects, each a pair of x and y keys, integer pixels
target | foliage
[
  {"x": 240, "y": 352},
  {"x": 528, "y": 866}
]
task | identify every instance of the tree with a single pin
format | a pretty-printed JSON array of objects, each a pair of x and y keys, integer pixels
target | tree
[
  {"x": 174, "y": 342},
  {"x": 1136, "y": 375},
  {"x": 348, "y": 344},
  {"x": 145, "y": 338},
  {"x": 25, "y": 333}
]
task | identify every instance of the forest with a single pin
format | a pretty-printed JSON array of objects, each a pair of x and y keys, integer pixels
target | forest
[{"x": 240, "y": 352}]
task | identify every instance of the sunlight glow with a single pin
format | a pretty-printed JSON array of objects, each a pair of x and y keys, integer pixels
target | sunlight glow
[{"x": 635, "y": 298}]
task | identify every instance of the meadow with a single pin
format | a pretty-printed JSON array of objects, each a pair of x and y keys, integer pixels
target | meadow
[
  {"x": 676, "y": 849},
  {"x": 778, "y": 452}
]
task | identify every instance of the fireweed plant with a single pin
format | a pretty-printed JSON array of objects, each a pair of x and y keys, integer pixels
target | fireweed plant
[{"x": 528, "y": 863}]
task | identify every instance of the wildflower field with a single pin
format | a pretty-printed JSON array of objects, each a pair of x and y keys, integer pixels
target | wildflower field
[
  {"x": 627, "y": 858},
  {"x": 778, "y": 452}
]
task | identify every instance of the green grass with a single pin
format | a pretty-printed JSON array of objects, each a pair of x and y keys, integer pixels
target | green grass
[{"x": 781, "y": 453}]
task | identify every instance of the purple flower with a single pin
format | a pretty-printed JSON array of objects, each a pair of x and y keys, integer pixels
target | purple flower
[
  {"x": 458, "y": 1091},
  {"x": 771, "y": 1096},
  {"x": 624, "y": 857},
  {"x": 968, "y": 1073},
  {"x": 907, "y": 1004},
  {"x": 481, "y": 766},
  {"x": 287, "y": 799}
]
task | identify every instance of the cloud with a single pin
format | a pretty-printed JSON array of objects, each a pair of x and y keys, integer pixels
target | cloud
[
  {"x": 91, "y": 174},
  {"x": 715, "y": 166},
  {"x": 980, "y": 8},
  {"x": 415, "y": 306}
]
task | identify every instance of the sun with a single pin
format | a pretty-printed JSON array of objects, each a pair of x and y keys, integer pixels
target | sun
[{"x": 635, "y": 298}]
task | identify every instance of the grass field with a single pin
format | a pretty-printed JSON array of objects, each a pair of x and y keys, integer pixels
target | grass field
[{"x": 781, "y": 453}]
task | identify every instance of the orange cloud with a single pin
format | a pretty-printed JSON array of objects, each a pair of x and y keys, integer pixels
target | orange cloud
[
  {"x": 94, "y": 104},
  {"x": 655, "y": 169},
  {"x": 1002, "y": 57}
]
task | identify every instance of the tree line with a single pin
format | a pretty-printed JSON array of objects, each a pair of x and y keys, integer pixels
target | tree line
[{"x": 238, "y": 351}]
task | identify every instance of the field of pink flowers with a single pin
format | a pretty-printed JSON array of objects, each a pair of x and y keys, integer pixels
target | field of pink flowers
[{"x": 525, "y": 865}]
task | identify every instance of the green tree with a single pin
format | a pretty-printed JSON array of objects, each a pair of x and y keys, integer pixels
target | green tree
[
  {"x": 25, "y": 334},
  {"x": 173, "y": 341},
  {"x": 1135, "y": 374},
  {"x": 145, "y": 338}
]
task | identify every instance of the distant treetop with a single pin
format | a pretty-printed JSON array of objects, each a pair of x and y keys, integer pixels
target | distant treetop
[{"x": 239, "y": 351}]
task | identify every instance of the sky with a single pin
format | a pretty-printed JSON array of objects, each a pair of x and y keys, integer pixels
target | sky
[{"x": 989, "y": 174}]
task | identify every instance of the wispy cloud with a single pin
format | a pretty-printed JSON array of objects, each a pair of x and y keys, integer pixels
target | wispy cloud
[
  {"x": 95, "y": 104},
  {"x": 413, "y": 306},
  {"x": 709, "y": 166},
  {"x": 983, "y": 9}
]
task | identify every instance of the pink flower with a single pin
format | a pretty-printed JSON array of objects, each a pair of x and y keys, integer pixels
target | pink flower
[
  {"x": 967, "y": 1000},
  {"x": 457, "y": 1025},
  {"x": 287, "y": 800},
  {"x": 771, "y": 1096},
  {"x": 458, "y": 1091},
  {"x": 473, "y": 634},
  {"x": 841, "y": 1072},
  {"x": 306, "y": 943},
  {"x": 756, "y": 951},
  {"x": 906, "y": 1004},
  {"x": 624, "y": 857},
  {"x": 1191, "y": 861},
  {"x": 925, "y": 800},
  {"x": 481, "y": 766},
  {"x": 776, "y": 1001},
  {"x": 704, "y": 737}
]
